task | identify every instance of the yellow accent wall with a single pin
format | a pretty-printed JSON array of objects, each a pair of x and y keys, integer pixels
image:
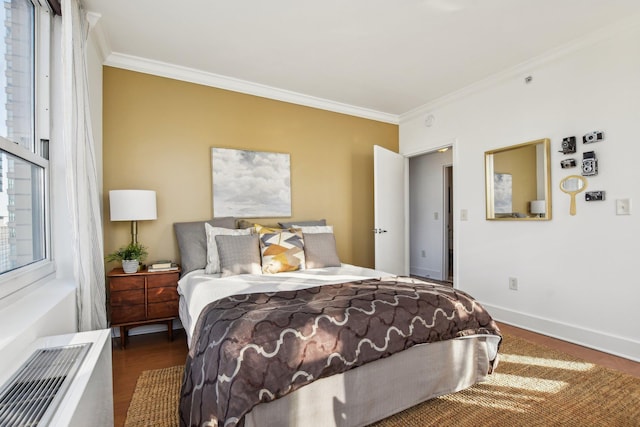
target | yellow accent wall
[{"x": 158, "y": 134}]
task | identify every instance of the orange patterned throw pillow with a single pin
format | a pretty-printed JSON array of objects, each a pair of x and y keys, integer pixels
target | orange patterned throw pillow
[{"x": 281, "y": 249}]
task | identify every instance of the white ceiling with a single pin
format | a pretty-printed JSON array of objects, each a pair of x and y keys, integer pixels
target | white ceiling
[{"x": 387, "y": 56}]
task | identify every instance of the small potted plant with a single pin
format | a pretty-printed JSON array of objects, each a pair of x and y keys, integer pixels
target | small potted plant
[{"x": 130, "y": 256}]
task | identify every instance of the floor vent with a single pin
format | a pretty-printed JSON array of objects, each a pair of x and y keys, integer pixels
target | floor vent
[{"x": 31, "y": 395}]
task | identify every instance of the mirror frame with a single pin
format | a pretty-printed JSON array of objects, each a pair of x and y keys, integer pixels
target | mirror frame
[
  {"x": 489, "y": 181},
  {"x": 573, "y": 193}
]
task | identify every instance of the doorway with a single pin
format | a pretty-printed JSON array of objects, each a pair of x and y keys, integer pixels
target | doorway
[{"x": 431, "y": 242}]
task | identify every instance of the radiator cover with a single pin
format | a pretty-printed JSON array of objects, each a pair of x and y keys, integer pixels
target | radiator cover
[{"x": 30, "y": 397}]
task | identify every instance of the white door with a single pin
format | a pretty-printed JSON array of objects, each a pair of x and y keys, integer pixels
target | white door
[{"x": 389, "y": 215}]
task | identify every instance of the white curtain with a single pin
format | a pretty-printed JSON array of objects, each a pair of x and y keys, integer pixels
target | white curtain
[{"x": 81, "y": 172}]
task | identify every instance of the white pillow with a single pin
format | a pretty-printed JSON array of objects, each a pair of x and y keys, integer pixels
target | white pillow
[
  {"x": 314, "y": 229},
  {"x": 213, "y": 258}
]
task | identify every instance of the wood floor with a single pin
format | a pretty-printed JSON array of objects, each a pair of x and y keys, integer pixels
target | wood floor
[
  {"x": 143, "y": 352},
  {"x": 154, "y": 351}
]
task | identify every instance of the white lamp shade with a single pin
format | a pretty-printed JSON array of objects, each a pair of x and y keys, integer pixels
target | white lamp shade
[
  {"x": 132, "y": 205},
  {"x": 538, "y": 207}
]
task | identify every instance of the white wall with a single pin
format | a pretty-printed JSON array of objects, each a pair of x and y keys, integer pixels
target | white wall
[
  {"x": 426, "y": 198},
  {"x": 577, "y": 275}
]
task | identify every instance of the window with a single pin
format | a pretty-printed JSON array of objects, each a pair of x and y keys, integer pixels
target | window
[
  {"x": 24, "y": 87},
  {"x": 18, "y": 70}
]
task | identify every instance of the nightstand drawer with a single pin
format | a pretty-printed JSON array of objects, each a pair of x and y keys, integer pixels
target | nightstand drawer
[
  {"x": 125, "y": 283},
  {"x": 163, "y": 309},
  {"x": 129, "y": 313},
  {"x": 162, "y": 294},
  {"x": 135, "y": 296},
  {"x": 162, "y": 280}
]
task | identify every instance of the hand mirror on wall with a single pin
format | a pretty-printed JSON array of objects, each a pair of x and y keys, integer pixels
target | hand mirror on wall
[{"x": 572, "y": 185}]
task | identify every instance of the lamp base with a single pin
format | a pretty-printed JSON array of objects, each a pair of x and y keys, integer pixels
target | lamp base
[{"x": 134, "y": 232}]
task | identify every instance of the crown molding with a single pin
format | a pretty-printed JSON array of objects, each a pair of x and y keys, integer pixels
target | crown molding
[
  {"x": 521, "y": 70},
  {"x": 191, "y": 75}
]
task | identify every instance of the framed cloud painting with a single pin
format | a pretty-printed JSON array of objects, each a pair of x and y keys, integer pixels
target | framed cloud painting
[
  {"x": 251, "y": 184},
  {"x": 503, "y": 193}
]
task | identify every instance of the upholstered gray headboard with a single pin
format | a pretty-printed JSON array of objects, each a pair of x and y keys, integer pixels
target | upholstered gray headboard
[
  {"x": 192, "y": 238},
  {"x": 192, "y": 241}
]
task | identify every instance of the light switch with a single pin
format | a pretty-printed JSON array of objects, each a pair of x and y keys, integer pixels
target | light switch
[
  {"x": 435, "y": 215},
  {"x": 464, "y": 215},
  {"x": 623, "y": 207}
]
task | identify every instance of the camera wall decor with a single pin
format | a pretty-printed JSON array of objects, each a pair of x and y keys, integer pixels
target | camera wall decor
[
  {"x": 588, "y": 164},
  {"x": 569, "y": 145}
]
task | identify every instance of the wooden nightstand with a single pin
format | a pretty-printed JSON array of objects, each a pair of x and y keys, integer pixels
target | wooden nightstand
[{"x": 142, "y": 298}]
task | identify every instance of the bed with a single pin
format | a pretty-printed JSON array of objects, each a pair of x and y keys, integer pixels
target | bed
[{"x": 285, "y": 365}]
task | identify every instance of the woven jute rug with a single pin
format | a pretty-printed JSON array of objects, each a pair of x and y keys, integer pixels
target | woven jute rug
[{"x": 532, "y": 386}]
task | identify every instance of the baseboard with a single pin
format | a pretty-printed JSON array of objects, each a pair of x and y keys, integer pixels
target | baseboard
[
  {"x": 425, "y": 272},
  {"x": 597, "y": 340}
]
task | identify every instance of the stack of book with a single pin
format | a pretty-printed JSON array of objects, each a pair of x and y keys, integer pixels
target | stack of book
[{"x": 162, "y": 266}]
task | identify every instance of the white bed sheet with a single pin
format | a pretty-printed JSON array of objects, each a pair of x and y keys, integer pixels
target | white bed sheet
[{"x": 197, "y": 289}]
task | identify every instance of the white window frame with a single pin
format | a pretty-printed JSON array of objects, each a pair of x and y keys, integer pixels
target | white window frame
[{"x": 39, "y": 271}]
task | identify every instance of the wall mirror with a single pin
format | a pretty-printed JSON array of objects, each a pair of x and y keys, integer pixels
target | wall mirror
[{"x": 518, "y": 182}]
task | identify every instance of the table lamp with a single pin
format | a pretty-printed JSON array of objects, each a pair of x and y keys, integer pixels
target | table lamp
[{"x": 134, "y": 206}]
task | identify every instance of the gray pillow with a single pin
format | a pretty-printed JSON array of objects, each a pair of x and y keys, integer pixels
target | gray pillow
[
  {"x": 192, "y": 241},
  {"x": 303, "y": 223},
  {"x": 239, "y": 254},
  {"x": 320, "y": 250}
]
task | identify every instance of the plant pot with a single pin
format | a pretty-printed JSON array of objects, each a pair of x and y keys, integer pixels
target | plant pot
[{"x": 130, "y": 265}]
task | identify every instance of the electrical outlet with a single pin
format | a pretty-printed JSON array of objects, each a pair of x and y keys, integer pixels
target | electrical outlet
[{"x": 513, "y": 283}]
